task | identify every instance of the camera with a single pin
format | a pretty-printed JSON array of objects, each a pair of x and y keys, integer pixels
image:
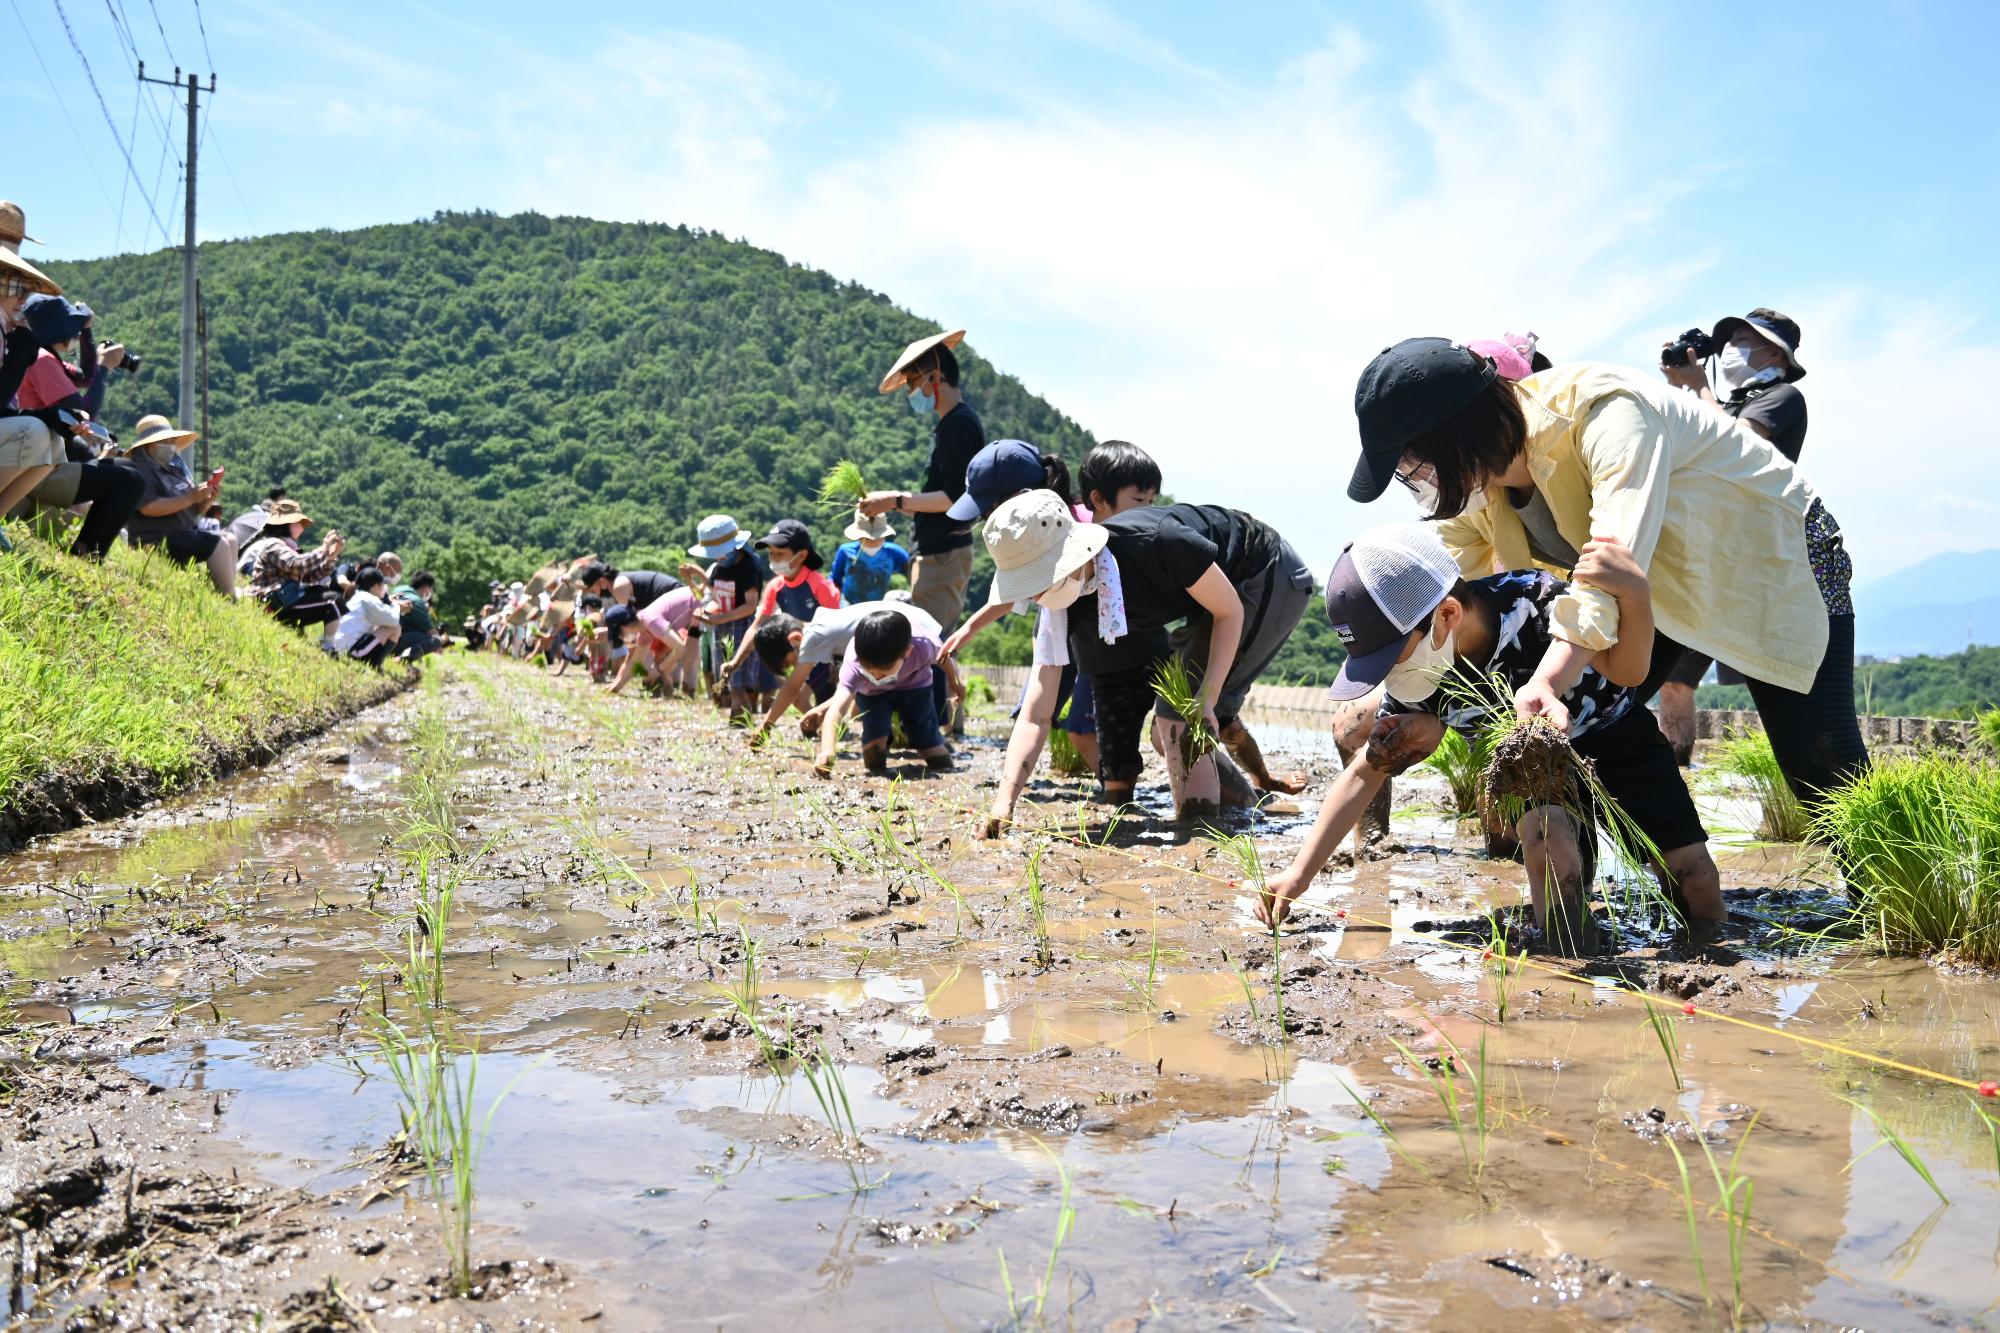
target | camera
[
  {"x": 1694, "y": 340},
  {"x": 130, "y": 365}
]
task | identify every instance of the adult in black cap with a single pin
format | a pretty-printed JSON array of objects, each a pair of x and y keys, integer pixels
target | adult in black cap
[
  {"x": 1758, "y": 358},
  {"x": 1744, "y": 561}
]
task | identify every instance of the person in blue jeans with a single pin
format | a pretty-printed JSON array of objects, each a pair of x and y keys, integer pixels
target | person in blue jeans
[
  {"x": 867, "y": 560},
  {"x": 886, "y": 672}
]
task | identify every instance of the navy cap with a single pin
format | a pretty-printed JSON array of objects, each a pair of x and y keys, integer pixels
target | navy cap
[
  {"x": 1408, "y": 389},
  {"x": 54, "y": 319},
  {"x": 1381, "y": 588},
  {"x": 1781, "y": 331},
  {"x": 793, "y": 536},
  {"x": 997, "y": 473}
]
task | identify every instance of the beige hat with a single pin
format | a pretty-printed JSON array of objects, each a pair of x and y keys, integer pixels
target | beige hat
[
  {"x": 14, "y": 230},
  {"x": 894, "y": 379},
  {"x": 157, "y": 429},
  {"x": 1036, "y": 543},
  {"x": 875, "y": 529},
  {"x": 284, "y": 511}
]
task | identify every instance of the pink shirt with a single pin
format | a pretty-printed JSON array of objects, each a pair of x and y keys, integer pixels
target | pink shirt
[
  {"x": 45, "y": 384},
  {"x": 669, "y": 613}
]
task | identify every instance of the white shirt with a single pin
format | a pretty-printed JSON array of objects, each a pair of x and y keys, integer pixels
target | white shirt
[
  {"x": 365, "y": 613},
  {"x": 832, "y": 627}
]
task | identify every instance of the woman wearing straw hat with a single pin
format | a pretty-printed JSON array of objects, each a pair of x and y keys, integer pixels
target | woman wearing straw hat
[
  {"x": 170, "y": 508},
  {"x": 295, "y": 587},
  {"x": 28, "y": 447}
]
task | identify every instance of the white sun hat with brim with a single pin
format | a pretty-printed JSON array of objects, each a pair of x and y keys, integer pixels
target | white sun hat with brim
[
  {"x": 873, "y": 529},
  {"x": 894, "y": 379},
  {"x": 717, "y": 536},
  {"x": 1036, "y": 543}
]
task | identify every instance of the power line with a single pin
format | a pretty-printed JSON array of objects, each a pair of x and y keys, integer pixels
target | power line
[
  {"x": 207, "y": 112},
  {"x": 109, "y": 124},
  {"x": 163, "y": 32},
  {"x": 62, "y": 103},
  {"x": 123, "y": 23},
  {"x": 203, "y": 28},
  {"x": 125, "y": 186}
]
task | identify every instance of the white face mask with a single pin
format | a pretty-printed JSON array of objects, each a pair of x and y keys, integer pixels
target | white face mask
[
  {"x": 1426, "y": 492},
  {"x": 1737, "y": 372},
  {"x": 889, "y": 679},
  {"x": 1416, "y": 678},
  {"x": 784, "y": 569},
  {"x": 1064, "y": 594}
]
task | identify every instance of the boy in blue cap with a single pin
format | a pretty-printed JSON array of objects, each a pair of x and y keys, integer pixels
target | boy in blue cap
[{"x": 1433, "y": 640}]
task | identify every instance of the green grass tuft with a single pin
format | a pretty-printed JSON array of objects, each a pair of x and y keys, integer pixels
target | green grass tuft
[
  {"x": 1750, "y": 757},
  {"x": 136, "y": 671}
]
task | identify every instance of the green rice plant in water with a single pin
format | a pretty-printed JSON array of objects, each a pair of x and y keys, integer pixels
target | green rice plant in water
[
  {"x": 1506, "y": 965},
  {"x": 1902, "y": 1146},
  {"x": 1751, "y": 758},
  {"x": 1920, "y": 843},
  {"x": 842, "y": 488},
  {"x": 1239, "y": 850},
  {"x": 1691, "y": 1214},
  {"x": 1021, "y": 1306},
  {"x": 1037, "y": 903},
  {"x": 1470, "y": 1123},
  {"x": 1987, "y": 1119},
  {"x": 436, "y": 1086},
  {"x": 1662, "y": 1024},
  {"x": 1389, "y": 1135}
]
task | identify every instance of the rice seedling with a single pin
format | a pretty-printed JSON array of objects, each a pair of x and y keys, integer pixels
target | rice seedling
[
  {"x": 1471, "y": 1131},
  {"x": 1899, "y": 1143},
  {"x": 1690, "y": 1212},
  {"x": 1663, "y": 1031},
  {"x": 1389, "y": 1135},
  {"x": 842, "y": 488},
  {"x": 1462, "y": 764},
  {"x": 1019, "y": 1306},
  {"x": 1506, "y": 966},
  {"x": 1734, "y": 1192},
  {"x": 436, "y": 1087},
  {"x": 1173, "y": 684},
  {"x": 1987, "y": 1119},
  {"x": 1037, "y": 905},
  {"x": 1751, "y": 758},
  {"x": 1240, "y": 851},
  {"x": 1243, "y": 980},
  {"x": 1065, "y": 760},
  {"x": 1920, "y": 842},
  {"x": 1146, "y": 984}
]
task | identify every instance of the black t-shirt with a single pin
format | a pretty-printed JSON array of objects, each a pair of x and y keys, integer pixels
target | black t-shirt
[
  {"x": 1780, "y": 409},
  {"x": 1161, "y": 552},
  {"x": 742, "y": 575},
  {"x": 957, "y": 438},
  {"x": 649, "y": 586}
]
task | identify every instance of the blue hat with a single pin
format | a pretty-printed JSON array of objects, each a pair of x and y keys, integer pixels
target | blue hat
[
  {"x": 54, "y": 319},
  {"x": 996, "y": 473}
]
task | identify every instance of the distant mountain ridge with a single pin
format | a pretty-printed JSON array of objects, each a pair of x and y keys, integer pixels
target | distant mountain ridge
[{"x": 1937, "y": 606}]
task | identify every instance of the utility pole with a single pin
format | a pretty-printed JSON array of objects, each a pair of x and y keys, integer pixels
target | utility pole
[
  {"x": 201, "y": 320},
  {"x": 186, "y": 410}
]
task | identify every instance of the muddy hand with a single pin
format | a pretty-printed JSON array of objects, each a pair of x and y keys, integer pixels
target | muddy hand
[{"x": 1401, "y": 741}]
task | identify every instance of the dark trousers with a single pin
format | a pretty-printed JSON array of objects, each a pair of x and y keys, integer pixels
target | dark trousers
[
  {"x": 1816, "y": 736},
  {"x": 112, "y": 491},
  {"x": 317, "y": 606}
]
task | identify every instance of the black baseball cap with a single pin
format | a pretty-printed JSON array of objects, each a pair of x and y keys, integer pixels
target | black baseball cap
[
  {"x": 1781, "y": 331},
  {"x": 1381, "y": 588},
  {"x": 793, "y": 536},
  {"x": 1404, "y": 392}
]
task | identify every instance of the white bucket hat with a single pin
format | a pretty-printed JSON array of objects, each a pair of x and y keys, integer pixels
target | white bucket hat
[
  {"x": 717, "y": 536},
  {"x": 874, "y": 529},
  {"x": 1036, "y": 543}
]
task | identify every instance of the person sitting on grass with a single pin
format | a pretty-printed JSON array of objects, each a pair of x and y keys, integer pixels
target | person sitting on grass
[
  {"x": 867, "y": 560},
  {"x": 412, "y": 601},
  {"x": 886, "y": 673},
  {"x": 1436, "y": 642},
  {"x": 368, "y": 631},
  {"x": 296, "y": 588},
  {"x": 655, "y": 638},
  {"x": 168, "y": 514},
  {"x": 808, "y": 654}
]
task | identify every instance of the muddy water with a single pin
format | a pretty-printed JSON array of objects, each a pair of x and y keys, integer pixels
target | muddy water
[{"x": 223, "y": 949}]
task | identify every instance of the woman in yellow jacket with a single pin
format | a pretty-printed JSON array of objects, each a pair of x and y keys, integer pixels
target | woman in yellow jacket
[{"x": 1745, "y": 563}]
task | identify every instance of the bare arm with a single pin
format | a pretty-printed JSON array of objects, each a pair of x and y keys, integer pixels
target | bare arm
[
  {"x": 632, "y": 653},
  {"x": 788, "y": 694},
  {"x": 829, "y": 730},
  {"x": 1218, "y": 597},
  {"x": 904, "y": 502},
  {"x": 1024, "y": 745},
  {"x": 989, "y": 613}
]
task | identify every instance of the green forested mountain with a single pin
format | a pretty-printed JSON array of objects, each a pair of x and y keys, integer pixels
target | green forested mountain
[{"x": 482, "y": 391}]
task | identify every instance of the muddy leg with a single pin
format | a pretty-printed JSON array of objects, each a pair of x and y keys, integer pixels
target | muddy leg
[
  {"x": 1676, "y": 719},
  {"x": 875, "y": 756},
  {"x": 1243, "y": 748},
  {"x": 1554, "y": 863},
  {"x": 1351, "y": 723}
]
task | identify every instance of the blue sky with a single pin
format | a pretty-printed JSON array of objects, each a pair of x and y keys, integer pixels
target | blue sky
[{"x": 1187, "y": 225}]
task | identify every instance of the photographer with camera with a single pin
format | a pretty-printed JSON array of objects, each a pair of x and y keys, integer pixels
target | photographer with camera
[{"x": 1758, "y": 359}]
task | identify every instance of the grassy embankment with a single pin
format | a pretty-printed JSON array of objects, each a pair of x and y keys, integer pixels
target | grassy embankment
[{"x": 131, "y": 680}]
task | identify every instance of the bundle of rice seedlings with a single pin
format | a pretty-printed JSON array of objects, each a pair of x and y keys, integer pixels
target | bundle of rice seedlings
[
  {"x": 1920, "y": 839},
  {"x": 1064, "y": 757},
  {"x": 1177, "y": 687},
  {"x": 1462, "y": 763},
  {"x": 842, "y": 488},
  {"x": 1750, "y": 757},
  {"x": 1531, "y": 764}
]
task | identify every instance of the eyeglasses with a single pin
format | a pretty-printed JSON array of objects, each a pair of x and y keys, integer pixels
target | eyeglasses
[{"x": 1417, "y": 477}]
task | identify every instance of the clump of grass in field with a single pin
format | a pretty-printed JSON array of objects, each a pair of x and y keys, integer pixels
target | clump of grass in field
[
  {"x": 1920, "y": 842},
  {"x": 1240, "y": 851},
  {"x": 1471, "y": 1122},
  {"x": 1988, "y": 728},
  {"x": 1750, "y": 757},
  {"x": 842, "y": 488},
  {"x": 1024, "y": 1305},
  {"x": 136, "y": 670}
]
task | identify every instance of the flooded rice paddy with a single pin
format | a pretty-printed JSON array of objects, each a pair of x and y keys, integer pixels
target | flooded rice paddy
[{"x": 1095, "y": 1121}]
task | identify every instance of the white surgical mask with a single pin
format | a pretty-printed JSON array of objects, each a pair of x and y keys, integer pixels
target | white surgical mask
[
  {"x": 1737, "y": 372},
  {"x": 1064, "y": 594},
  {"x": 1426, "y": 492},
  {"x": 1416, "y": 679},
  {"x": 889, "y": 679}
]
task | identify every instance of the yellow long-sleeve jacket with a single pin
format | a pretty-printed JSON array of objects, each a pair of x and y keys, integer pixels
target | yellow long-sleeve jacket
[{"x": 1713, "y": 514}]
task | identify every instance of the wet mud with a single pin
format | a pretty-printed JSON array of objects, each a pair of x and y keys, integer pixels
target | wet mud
[{"x": 1132, "y": 1109}]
